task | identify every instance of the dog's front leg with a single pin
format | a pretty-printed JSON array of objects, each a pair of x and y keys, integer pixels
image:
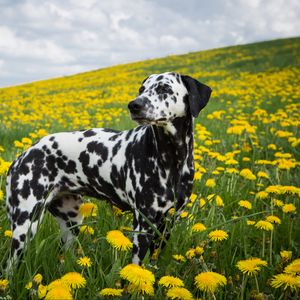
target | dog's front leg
[{"x": 142, "y": 238}]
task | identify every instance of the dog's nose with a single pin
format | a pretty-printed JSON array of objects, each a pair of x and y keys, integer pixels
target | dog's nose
[{"x": 136, "y": 105}]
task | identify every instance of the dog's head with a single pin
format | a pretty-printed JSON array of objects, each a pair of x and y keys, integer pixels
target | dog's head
[{"x": 164, "y": 97}]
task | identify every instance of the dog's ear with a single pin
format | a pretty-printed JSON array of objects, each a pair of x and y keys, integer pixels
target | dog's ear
[
  {"x": 198, "y": 96},
  {"x": 145, "y": 79}
]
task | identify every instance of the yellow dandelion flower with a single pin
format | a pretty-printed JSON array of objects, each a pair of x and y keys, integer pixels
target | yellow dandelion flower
[
  {"x": 286, "y": 164},
  {"x": 193, "y": 197},
  {"x": 202, "y": 202},
  {"x": 4, "y": 166},
  {"x": 262, "y": 174},
  {"x": 218, "y": 235},
  {"x": 231, "y": 171},
  {"x": 286, "y": 255},
  {"x": 84, "y": 261},
  {"x": 199, "y": 250},
  {"x": 264, "y": 225},
  {"x": 277, "y": 202},
  {"x": 1, "y": 194},
  {"x": 88, "y": 209},
  {"x": 26, "y": 140},
  {"x": 250, "y": 222},
  {"x": 179, "y": 293},
  {"x": 198, "y": 227},
  {"x": 283, "y": 134},
  {"x": 179, "y": 257},
  {"x": 33, "y": 135},
  {"x": 58, "y": 291},
  {"x": 8, "y": 233},
  {"x": 118, "y": 240},
  {"x": 170, "y": 281},
  {"x": 247, "y": 174},
  {"x": 74, "y": 280},
  {"x": 251, "y": 266},
  {"x": 18, "y": 144},
  {"x": 41, "y": 132},
  {"x": 272, "y": 147},
  {"x": 209, "y": 281},
  {"x": 245, "y": 204},
  {"x": 210, "y": 183},
  {"x": 190, "y": 253},
  {"x": 141, "y": 280},
  {"x": 143, "y": 288},
  {"x": 111, "y": 292},
  {"x": 197, "y": 175},
  {"x": 285, "y": 281},
  {"x": 273, "y": 219},
  {"x": 219, "y": 201},
  {"x": 184, "y": 215},
  {"x": 262, "y": 195},
  {"x": 210, "y": 197},
  {"x": 274, "y": 189},
  {"x": 28, "y": 285},
  {"x": 238, "y": 129},
  {"x": 293, "y": 267},
  {"x": 136, "y": 274},
  {"x": 231, "y": 161},
  {"x": 247, "y": 148},
  {"x": 171, "y": 211},
  {"x": 245, "y": 158},
  {"x": 42, "y": 291},
  {"x": 215, "y": 172},
  {"x": 220, "y": 169},
  {"x": 87, "y": 229},
  {"x": 288, "y": 208},
  {"x": 290, "y": 190},
  {"x": 3, "y": 284},
  {"x": 38, "y": 278}
]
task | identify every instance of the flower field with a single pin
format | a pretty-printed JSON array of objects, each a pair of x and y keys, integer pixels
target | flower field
[{"x": 238, "y": 237}]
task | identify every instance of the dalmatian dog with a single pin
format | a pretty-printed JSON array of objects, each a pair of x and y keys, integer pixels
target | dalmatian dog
[{"x": 148, "y": 169}]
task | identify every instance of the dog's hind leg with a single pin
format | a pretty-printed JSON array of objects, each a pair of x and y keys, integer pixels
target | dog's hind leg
[
  {"x": 65, "y": 209},
  {"x": 25, "y": 220}
]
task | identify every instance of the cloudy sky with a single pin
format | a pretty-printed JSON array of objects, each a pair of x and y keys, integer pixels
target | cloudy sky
[{"x": 50, "y": 38}]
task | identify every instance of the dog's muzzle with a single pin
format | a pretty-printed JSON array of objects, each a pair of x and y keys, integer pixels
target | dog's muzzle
[{"x": 137, "y": 109}]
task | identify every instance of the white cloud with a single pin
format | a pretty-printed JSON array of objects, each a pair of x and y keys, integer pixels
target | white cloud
[
  {"x": 52, "y": 38},
  {"x": 40, "y": 49}
]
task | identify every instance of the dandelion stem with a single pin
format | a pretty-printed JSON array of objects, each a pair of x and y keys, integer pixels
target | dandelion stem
[
  {"x": 281, "y": 296},
  {"x": 244, "y": 283},
  {"x": 263, "y": 244},
  {"x": 256, "y": 282},
  {"x": 290, "y": 233},
  {"x": 271, "y": 245}
]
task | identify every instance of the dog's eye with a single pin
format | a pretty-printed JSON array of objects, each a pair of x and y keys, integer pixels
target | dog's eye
[{"x": 142, "y": 88}]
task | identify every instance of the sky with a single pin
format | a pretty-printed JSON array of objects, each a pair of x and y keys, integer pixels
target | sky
[{"x": 53, "y": 38}]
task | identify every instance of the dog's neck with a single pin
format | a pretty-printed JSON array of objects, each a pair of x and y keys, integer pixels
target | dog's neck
[{"x": 175, "y": 141}]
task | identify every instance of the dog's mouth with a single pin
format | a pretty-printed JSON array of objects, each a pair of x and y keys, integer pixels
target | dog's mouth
[
  {"x": 140, "y": 120},
  {"x": 144, "y": 121}
]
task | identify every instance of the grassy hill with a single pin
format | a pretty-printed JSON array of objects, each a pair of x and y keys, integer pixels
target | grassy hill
[{"x": 246, "y": 149}]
